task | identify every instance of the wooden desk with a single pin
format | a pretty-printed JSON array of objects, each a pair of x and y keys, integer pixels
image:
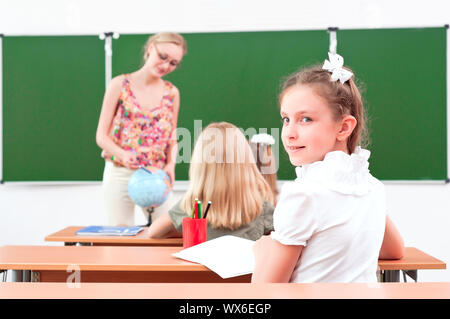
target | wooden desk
[
  {"x": 143, "y": 264},
  {"x": 104, "y": 264},
  {"x": 413, "y": 260},
  {"x": 68, "y": 236},
  {"x": 429, "y": 290}
]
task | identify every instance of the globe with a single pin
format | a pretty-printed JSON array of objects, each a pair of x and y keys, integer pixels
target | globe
[{"x": 149, "y": 187}]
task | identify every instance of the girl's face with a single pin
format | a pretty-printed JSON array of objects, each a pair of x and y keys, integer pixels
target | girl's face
[
  {"x": 309, "y": 130},
  {"x": 163, "y": 58}
]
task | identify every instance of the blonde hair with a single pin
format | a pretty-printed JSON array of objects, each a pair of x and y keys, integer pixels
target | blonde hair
[
  {"x": 223, "y": 170},
  {"x": 343, "y": 99},
  {"x": 165, "y": 37}
]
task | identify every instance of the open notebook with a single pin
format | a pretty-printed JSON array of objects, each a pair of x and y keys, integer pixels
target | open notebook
[{"x": 228, "y": 256}]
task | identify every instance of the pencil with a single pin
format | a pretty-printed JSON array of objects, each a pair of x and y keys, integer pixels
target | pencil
[
  {"x": 207, "y": 208},
  {"x": 194, "y": 208},
  {"x": 199, "y": 209}
]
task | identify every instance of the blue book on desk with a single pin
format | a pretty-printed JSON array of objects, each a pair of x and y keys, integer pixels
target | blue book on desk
[{"x": 109, "y": 231}]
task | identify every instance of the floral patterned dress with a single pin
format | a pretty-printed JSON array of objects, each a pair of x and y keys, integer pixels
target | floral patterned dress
[{"x": 147, "y": 133}]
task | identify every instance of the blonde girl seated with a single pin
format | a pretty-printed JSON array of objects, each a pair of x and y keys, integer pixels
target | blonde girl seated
[
  {"x": 330, "y": 223},
  {"x": 223, "y": 171}
]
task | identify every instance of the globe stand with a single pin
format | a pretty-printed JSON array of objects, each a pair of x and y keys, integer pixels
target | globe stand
[{"x": 149, "y": 222}]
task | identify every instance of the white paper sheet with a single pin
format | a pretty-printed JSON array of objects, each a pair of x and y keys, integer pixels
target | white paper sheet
[{"x": 228, "y": 256}]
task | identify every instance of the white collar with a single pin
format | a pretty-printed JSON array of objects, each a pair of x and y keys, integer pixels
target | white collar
[{"x": 340, "y": 172}]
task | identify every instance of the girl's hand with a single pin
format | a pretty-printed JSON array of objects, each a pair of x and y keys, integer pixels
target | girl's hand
[
  {"x": 170, "y": 171},
  {"x": 129, "y": 160}
]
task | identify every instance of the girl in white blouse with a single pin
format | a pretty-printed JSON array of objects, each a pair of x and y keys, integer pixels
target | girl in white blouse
[{"x": 330, "y": 223}]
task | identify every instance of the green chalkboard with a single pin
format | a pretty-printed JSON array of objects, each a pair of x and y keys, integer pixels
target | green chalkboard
[
  {"x": 404, "y": 76},
  {"x": 53, "y": 88},
  {"x": 52, "y": 93},
  {"x": 232, "y": 77}
]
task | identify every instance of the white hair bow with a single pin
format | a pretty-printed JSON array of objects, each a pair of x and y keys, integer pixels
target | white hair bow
[
  {"x": 262, "y": 138},
  {"x": 334, "y": 66}
]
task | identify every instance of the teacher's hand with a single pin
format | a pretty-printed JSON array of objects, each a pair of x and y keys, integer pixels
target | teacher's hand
[{"x": 129, "y": 160}]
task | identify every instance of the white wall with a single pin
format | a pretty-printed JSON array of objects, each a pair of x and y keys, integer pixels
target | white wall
[{"x": 30, "y": 212}]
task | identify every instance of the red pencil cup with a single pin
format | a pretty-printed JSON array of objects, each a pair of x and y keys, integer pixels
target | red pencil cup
[{"x": 194, "y": 231}]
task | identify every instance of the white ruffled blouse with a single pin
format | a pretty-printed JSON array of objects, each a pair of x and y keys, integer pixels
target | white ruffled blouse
[
  {"x": 343, "y": 173},
  {"x": 336, "y": 209}
]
